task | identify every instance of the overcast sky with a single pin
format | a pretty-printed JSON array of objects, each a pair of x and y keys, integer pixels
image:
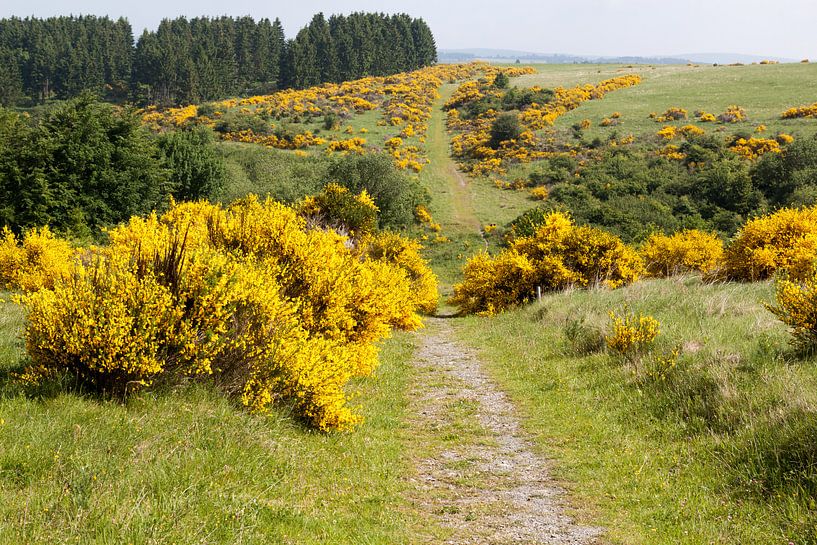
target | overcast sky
[{"x": 781, "y": 28}]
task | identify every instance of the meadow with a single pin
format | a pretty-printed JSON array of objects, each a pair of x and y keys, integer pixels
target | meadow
[
  {"x": 721, "y": 452},
  {"x": 717, "y": 446}
]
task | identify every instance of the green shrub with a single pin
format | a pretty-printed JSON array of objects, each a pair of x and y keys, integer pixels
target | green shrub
[
  {"x": 505, "y": 127},
  {"x": 196, "y": 169},
  {"x": 395, "y": 194}
]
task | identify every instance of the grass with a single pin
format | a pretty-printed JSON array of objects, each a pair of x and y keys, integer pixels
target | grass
[
  {"x": 721, "y": 452},
  {"x": 764, "y": 91},
  {"x": 187, "y": 466}
]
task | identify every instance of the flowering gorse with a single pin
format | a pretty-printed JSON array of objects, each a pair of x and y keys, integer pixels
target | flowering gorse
[{"x": 246, "y": 296}]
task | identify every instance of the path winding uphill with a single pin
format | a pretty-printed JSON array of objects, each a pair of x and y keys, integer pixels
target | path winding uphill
[{"x": 479, "y": 477}]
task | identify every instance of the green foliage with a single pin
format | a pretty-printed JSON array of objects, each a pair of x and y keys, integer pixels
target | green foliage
[
  {"x": 82, "y": 165},
  {"x": 790, "y": 178},
  {"x": 395, "y": 194},
  {"x": 633, "y": 193},
  {"x": 501, "y": 81},
  {"x": 516, "y": 99},
  {"x": 196, "y": 169},
  {"x": 190, "y": 60},
  {"x": 505, "y": 127},
  {"x": 278, "y": 174},
  {"x": 237, "y": 121},
  {"x": 554, "y": 170}
]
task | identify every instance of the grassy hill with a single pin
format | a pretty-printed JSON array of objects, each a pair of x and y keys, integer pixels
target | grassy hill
[{"x": 722, "y": 450}]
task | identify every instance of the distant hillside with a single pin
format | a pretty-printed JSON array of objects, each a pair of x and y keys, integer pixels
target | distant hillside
[{"x": 510, "y": 55}]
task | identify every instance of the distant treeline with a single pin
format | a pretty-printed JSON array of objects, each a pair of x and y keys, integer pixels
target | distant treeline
[{"x": 193, "y": 60}]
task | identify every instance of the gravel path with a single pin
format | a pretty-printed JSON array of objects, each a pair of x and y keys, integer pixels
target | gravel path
[{"x": 479, "y": 477}]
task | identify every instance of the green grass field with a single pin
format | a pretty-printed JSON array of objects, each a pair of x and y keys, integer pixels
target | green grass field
[{"x": 764, "y": 91}]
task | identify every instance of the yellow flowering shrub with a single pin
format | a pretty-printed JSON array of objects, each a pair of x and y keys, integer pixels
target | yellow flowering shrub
[
  {"x": 405, "y": 253},
  {"x": 36, "y": 261},
  {"x": 540, "y": 193},
  {"x": 686, "y": 251},
  {"x": 494, "y": 284},
  {"x": 691, "y": 130},
  {"x": 558, "y": 255},
  {"x": 668, "y": 132},
  {"x": 340, "y": 209},
  {"x": 672, "y": 114},
  {"x": 803, "y": 111},
  {"x": 632, "y": 336},
  {"x": 784, "y": 240},
  {"x": 733, "y": 114},
  {"x": 247, "y": 296},
  {"x": 753, "y": 148},
  {"x": 797, "y": 308}
]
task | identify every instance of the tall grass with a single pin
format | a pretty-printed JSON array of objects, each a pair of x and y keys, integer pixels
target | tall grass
[{"x": 724, "y": 450}]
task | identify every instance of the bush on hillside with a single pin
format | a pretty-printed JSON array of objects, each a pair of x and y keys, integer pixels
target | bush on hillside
[
  {"x": 245, "y": 296},
  {"x": 686, "y": 251},
  {"x": 785, "y": 240},
  {"x": 82, "y": 165},
  {"x": 196, "y": 169},
  {"x": 34, "y": 261},
  {"x": 797, "y": 308},
  {"x": 504, "y": 128},
  {"x": 558, "y": 255},
  {"x": 395, "y": 194}
]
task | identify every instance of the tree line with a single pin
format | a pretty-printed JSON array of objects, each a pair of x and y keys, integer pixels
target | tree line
[{"x": 193, "y": 60}]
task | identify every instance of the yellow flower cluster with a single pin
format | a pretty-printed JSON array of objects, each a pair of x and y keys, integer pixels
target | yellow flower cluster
[
  {"x": 672, "y": 114},
  {"x": 797, "y": 308},
  {"x": 248, "y": 295},
  {"x": 35, "y": 262},
  {"x": 785, "y": 240},
  {"x": 802, "y": 111},
  {"x": 691, "y": 130},
  {"x": 424, "y": 216},
  {"x": 673, "y": 152},
  {"x": 733, "y": 114},
  {"x": 685, "y": 251},
  {"x": 337, "y": 208},
  {"x": 633, "y": 335},
  {"x": 296, "y": 142},
  {"x": 172, "y": 117},
  {"x": 559, "y": 255},
  {"x": 668, "y": 132},
  {"x": 755, "y": 147},
  {"x": 540, "y": 193},
  {"x": 354, "y": 145}
]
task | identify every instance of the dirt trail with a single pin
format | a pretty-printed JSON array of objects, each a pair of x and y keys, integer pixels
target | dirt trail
[{"x": 478, "y": 476}]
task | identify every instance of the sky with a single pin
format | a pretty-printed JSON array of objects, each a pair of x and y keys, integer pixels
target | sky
[{"x": 778, "y": 28}]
